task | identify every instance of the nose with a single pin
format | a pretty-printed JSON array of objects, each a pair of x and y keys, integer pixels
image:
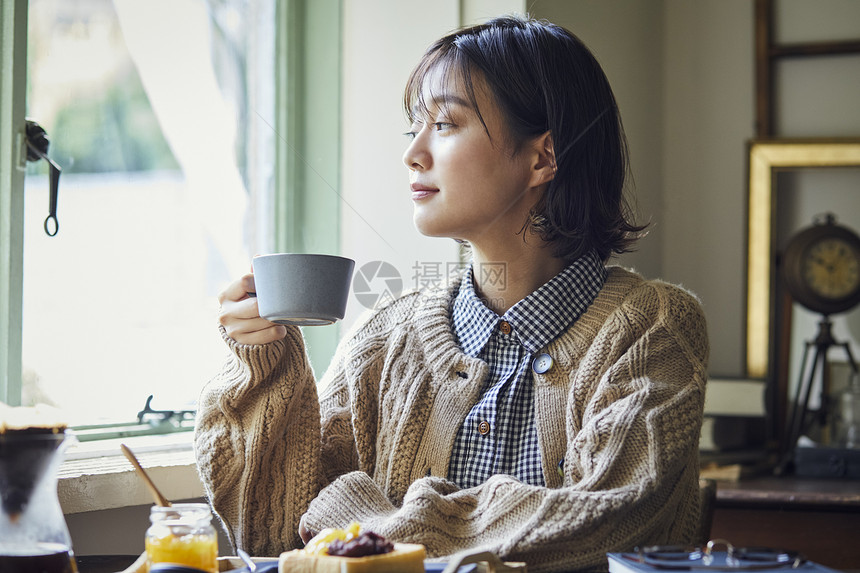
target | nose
[{"x": 417, "y": 156}]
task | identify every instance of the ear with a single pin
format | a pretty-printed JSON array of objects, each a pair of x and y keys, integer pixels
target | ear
[{"x": 543, "y": 166}]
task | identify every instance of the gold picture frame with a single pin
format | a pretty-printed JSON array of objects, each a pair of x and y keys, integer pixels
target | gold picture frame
[{"x": 766, "y": 158}]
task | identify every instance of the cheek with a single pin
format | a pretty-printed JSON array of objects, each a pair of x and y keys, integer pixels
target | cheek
[{"x": 475, "y": 165}]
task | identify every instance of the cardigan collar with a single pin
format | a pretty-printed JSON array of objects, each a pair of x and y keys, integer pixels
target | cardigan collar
[{"x": 432, "y": 320}]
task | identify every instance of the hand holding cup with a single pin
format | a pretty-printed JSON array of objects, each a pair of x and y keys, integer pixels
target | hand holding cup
[
  {"x": 286, "y": 289},
  {"x": 241, "y": 318}
]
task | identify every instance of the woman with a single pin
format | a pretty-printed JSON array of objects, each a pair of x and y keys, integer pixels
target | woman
[{"x": 549, "y": 417}]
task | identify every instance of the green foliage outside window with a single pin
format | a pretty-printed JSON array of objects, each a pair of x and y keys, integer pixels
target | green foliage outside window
[{"x": 114, "y": 130}]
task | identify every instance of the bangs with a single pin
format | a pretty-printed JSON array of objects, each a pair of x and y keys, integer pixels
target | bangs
[{"x": 442, "y": 71}]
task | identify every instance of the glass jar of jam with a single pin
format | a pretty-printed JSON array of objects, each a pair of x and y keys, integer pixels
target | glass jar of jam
[{"x": 183, "y": 534}]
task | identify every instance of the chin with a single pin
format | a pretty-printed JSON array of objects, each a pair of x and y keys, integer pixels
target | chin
[
  {"x": 428, "y": 228},
  {"x": 437, "y": 225}
]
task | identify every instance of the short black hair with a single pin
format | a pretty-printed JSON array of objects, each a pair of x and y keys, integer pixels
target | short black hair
[{"x": 544, "y": 79}]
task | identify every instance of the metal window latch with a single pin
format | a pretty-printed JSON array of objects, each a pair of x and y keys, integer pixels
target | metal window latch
[
  {"x": 158, "y": 417},
  {"x": 37, "y": 148}
]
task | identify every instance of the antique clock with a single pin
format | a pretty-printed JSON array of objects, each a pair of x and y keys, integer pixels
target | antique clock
[{"x": 821, "y": 267}]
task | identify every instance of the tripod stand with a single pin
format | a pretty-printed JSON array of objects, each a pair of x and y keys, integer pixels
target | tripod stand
[{"x": 799, "y": 422}]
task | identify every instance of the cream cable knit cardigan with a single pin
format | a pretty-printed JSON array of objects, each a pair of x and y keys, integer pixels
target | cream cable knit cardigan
[{"x": 622, "y": 405}]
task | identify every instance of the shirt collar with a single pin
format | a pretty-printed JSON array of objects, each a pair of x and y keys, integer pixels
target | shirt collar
[
  {"x": 473, "y": 321},
  {"x": 537, "y": 319}
]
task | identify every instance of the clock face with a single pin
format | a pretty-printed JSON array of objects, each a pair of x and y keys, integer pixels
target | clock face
[
  {"x": 821, "y": 268},
  {"x": 831, "y": 268}
]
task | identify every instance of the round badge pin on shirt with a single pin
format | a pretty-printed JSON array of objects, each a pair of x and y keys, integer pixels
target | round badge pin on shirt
[{"x": 542, "y": 363}]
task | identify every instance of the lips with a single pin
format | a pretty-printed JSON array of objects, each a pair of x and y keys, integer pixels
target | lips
[{"x": 420, "y": 191}]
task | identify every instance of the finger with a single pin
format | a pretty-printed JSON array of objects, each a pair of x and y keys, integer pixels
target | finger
[
  {"x": 244, "y": 325},
  {"x": 243, "y": 316},
  {"x": 304, "y": 533},
  {"x": 238, "y": 290},
  {"x": 265, "y": 336},
  {"x": 242, "y": 309}
]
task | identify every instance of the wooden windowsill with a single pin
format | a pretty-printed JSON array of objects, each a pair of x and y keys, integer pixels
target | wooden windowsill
[{"x": 96, "y": 476}]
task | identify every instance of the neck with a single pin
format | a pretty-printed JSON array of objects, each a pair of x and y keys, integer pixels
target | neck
[{"x": 505, "y": 276}]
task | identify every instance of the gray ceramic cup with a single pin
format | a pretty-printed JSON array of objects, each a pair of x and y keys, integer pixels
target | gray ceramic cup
[{"x": 302, "y": 289}]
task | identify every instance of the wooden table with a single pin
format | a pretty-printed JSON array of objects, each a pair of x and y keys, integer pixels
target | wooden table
[{"x": 818, "y": 517}]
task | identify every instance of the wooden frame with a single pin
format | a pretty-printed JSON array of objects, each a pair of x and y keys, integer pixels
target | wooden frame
[
  {"x": 768, "y": 52},
  {"x": 766, "y": 157}
]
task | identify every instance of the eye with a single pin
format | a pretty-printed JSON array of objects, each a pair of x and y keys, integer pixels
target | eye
[
  {"x": 442, "y": 125},
  {"x": 413, "y": 130}
]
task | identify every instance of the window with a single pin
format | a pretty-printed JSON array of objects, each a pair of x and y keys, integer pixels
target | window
[
  {"x": 146, "y": 105},
  {"x": 170, "y": 122},
  {"x": 119, "y": 304}
]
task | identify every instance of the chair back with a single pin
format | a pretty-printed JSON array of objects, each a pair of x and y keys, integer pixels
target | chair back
[{"x": 707, "y": 499}]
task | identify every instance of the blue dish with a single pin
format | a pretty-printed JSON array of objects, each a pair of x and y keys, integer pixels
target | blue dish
[{"x": 439, "y": 567}]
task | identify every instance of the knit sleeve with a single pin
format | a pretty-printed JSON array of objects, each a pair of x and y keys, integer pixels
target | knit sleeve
[
  {"x": 632, "y": 421},
  {"x": 257, "y": 443},
  {"x": 357, "y": 363}
]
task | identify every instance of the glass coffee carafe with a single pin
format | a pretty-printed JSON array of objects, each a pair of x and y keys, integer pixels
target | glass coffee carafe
[{"x": 34, "y": 537}]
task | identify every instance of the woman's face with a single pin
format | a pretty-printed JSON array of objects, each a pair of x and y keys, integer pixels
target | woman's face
[{"x": 465, "y": 183}]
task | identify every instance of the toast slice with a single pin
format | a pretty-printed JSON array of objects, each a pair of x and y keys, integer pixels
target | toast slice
[{"x": 406, "y": 558}]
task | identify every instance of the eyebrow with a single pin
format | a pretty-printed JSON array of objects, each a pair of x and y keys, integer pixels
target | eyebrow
[{"x": 440, "y": 100}]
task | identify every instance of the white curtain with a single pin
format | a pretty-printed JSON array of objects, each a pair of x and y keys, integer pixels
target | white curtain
[{"x": 169, "y": 41}]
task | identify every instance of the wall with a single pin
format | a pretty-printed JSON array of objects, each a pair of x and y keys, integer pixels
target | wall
[
  {"x": 382, "y": 41},
  {"x": 626, "y": 38},
  {"x": 708, "y": 118},
  {"x": 119, "y": 531}
]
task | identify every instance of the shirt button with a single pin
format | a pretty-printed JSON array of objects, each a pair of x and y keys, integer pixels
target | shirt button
[
  {"x": 484, "y": 428},
  {"x": 542, "y": 363},
  {"x": 505, "y": 327}
]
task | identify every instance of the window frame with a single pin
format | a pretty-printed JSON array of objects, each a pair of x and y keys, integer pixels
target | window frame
[
  {"x": 308, "y": 126},
  {"x": 13, "y": 76}
]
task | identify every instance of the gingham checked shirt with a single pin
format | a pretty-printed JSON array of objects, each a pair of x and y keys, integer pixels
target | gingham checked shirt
[{"x": 499, "y": 435}]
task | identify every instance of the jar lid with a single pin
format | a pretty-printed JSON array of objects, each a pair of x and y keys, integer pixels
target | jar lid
[
  {"x": 179, "y": 513},
  {"x": 182, "y": 508}
]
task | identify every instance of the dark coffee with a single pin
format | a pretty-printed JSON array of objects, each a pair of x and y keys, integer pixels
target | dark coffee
[
  {"x": 44, "y": 558},
  {"x": 24, "y": 455}
]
